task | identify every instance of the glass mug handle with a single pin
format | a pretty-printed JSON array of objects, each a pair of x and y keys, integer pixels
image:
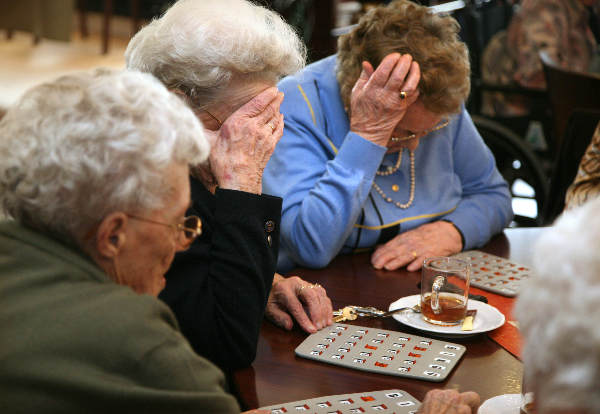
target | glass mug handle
[{"x": 437, "y": 285}]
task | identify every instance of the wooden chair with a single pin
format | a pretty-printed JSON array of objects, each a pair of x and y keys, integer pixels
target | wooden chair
[
  {"x": 578, "y": 134},
  {"x": 108, "y": 7},
  {"x": 566, "y": 91}
]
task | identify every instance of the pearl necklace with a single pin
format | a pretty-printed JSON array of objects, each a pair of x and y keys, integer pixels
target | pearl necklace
[
  {"x": 391, "y": 170},
  {"x": 411, "y": 197}
]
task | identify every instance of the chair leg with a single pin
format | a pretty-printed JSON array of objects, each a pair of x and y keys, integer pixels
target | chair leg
[
  {"x": 82, "y": 8},
  {"x": 108, "y": 8},
  {"x": 135, "y": 15}
]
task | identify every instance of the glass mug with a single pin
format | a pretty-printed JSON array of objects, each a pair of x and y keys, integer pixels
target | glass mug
[
  {"x": 445, "y": 290},
  {"x": 527, "y": 398}
]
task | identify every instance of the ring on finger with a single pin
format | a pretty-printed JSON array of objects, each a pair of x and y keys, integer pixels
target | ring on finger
[
  {"x": 270, "y": 124},
  {"x": 403, "y": 95},
  {"x": 315, "y": 285},
  {"x": 414, "y": 254}
]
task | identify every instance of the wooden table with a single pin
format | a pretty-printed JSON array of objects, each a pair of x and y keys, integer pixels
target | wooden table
[{"x": 277, "y": 375}]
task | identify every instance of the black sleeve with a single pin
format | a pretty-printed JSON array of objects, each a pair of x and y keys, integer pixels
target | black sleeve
[{"x": 218, "y": 288}]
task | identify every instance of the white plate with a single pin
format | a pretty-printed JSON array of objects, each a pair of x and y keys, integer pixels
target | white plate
[
  {"x": 488, "y": 318},
  {"x": 501, "y": 404}
]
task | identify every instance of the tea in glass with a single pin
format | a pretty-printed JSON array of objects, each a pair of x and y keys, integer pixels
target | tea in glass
[{"x": 445, "y": 290}]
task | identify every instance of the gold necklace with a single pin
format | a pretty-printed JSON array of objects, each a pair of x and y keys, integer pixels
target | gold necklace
[
  {"x": 391, "y": 170},
  {"x": 411, "y": 197}
]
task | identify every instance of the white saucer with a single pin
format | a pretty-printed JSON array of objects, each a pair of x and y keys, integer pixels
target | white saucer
[
  {"x": 488, "y": 318},
  {"x": 501, "y": 404}
]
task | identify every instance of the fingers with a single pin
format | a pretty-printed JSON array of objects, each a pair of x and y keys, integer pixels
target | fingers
[
  {"x": 296, "y": 309},
  {"x": 412, "y": 80},
  {"x": 273, "y": 124},
  {"x": 398, "y": 77},
  {"x": 259, "y": 103},
  {"x": 412, "y": 247},
  {"x": 381, "y": 75},
  {"x": 416, "y": 264},
  {"x": 449, "y": 401},
  {"x": 318, "y": 305},
  {"x": 270, "y": 111},
  {"x": 368, "y": 69},
  {"x": 308, "y": 304},
  {"x": 278, "y": 316},
  {"x": 471, "y": 399},
  {"x": 391, "y": 256}
]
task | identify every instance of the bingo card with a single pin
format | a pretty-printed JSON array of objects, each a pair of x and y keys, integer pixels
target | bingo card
[
  {"x": 382, "y": 351},
  {"x": 396, "y": 401},
  {"x": 495, "y": 274}
]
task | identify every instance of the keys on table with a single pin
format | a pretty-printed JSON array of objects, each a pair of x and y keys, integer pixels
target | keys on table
[
  {"x": 351, "y": 312},
  {"x": 345, "y": 314}
]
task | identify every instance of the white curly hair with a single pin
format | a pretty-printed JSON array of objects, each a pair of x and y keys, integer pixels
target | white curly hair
[
  {"x": 75, "y": 149},
  {"x": 559, "y": 313},
  {"x": 200, "y": 46}
]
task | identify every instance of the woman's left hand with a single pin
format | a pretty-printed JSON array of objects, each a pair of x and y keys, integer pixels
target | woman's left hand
[{"x": 411, "y": 248}]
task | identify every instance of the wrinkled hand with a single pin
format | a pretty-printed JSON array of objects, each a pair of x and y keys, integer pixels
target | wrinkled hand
[
  {"x": 450, "y": 402},
  {"x": 375, "y": 103},
  {"x": 245, "y": 142},
  {"x": 411, "y": 248},
  {"x": 292, "y": 297},
  {"x": 257, "y": 412}
]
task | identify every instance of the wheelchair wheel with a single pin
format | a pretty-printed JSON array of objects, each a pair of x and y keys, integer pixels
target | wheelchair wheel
[{"x": 518, "y": 165}]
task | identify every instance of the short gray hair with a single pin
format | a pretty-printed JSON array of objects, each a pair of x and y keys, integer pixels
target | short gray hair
[
  {"x": 200, "y": 46},
  {"x": 559, "y": 310},
  {"x": 75, "y": 149}
]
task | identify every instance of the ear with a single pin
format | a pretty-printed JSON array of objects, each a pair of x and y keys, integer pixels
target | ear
[{"x": 111, "y": 235}]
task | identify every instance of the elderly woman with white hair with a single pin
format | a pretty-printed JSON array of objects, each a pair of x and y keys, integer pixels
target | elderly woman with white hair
[
  {"x": 224, "y": 59},
  {"x": 558, "y": 315},
  {"x": 94, "y": 174}
]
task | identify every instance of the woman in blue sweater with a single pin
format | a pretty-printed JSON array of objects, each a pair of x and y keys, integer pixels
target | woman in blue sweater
[{"x": 379, "y": 152}]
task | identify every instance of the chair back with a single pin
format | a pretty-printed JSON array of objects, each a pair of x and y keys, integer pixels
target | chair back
[
  {"x": 568, "y": 90},
  {"x": 578, "y": 134}
]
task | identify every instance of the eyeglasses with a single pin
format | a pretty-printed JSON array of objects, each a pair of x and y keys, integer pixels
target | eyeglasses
[
  {"x": 441, "y": 125},
  {"x": 214, "y": 117},
  {"x": 189, "y": 228}
]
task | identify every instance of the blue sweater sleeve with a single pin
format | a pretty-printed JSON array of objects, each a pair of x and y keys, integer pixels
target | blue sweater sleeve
[
  {"x": 323, "y": 187},
  {"x": 485, "y": 207}
]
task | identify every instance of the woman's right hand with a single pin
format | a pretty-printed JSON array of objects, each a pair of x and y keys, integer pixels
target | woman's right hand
[
  {"x": 375, "y": 104},
  {"x": 450, "y": 402},
  {"x": 246, "y": 141}
]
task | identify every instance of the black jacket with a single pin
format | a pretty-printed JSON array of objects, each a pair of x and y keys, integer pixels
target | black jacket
[{"x": 218, "y": 288}]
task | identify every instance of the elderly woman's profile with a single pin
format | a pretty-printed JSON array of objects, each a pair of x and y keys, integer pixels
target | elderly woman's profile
[
  {"x": 224, "y": 58},
  {"x": 94, "y": 176},
  {"x": 378, "y": 151}
]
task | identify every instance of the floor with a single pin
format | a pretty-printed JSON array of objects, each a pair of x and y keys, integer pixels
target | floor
[{"x": 24, "y": 64}]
